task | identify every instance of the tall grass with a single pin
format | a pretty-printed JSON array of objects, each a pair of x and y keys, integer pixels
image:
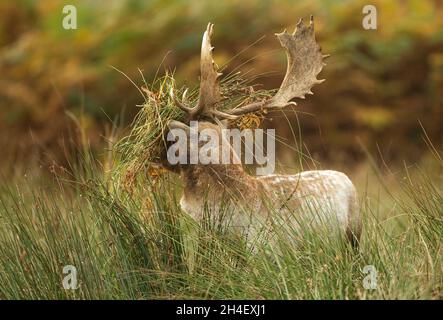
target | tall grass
[{"x": 140, "y": 245}]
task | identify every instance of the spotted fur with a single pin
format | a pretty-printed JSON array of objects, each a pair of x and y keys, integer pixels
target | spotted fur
[{"x": 324, "y": 196}]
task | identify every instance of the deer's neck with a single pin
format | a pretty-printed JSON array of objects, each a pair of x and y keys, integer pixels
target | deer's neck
[
  {"x": 219, "y": 190},
  {"x": 201, "y": 178},
  {"x": 216, "y": 183}
]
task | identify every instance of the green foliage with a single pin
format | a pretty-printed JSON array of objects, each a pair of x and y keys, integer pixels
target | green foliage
[
  {"x": 140, "y": 245},
  {"x": 137, "y": 243}
]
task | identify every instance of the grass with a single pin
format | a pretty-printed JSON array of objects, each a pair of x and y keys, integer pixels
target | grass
[
  {"x": 145, "y": 146},
  {"x": 140, "y": 245}
]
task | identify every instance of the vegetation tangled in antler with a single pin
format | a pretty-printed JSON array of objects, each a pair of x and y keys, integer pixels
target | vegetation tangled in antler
[
  {"x": 143, "y": 147},
  {"x": 231, "y": 98}
]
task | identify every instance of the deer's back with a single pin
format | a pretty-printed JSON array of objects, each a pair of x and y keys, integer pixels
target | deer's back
[{"x": 316, "y": 194}]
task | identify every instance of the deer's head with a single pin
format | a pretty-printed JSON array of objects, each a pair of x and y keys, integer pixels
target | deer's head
[{"x": 304, "y": 63}]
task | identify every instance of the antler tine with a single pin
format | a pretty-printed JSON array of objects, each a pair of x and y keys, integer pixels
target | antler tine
[
  {"x": 180, "y": 104},
  {"x": 305, "y": 62},
  {"x": 223, "y": 115}
]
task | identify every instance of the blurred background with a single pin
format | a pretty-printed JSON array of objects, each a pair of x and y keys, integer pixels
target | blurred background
[{"x": 59, "y": 92}]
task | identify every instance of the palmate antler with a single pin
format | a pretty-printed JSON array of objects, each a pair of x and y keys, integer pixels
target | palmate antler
[{"x": 305, "y": 62}]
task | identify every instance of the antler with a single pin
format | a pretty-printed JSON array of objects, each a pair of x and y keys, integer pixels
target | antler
[
  {"x": 209, "y": 94},
  {"x": 209, "y": 82},
  {"x": 305, "y": 61}
]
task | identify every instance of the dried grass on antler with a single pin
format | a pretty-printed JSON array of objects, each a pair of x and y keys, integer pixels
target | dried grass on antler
[
  {"x": 226, "y": 99},
  {"x": 144, "y": 146}
]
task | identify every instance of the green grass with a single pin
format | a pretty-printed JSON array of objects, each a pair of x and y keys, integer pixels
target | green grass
[{"x": 140, "y": 245}]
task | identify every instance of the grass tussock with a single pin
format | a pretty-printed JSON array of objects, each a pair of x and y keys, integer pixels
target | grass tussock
[{"x": 142, "y": 246}]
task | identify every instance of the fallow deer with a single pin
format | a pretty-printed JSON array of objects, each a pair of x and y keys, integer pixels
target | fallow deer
[{"x": 209, "y": 185}]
